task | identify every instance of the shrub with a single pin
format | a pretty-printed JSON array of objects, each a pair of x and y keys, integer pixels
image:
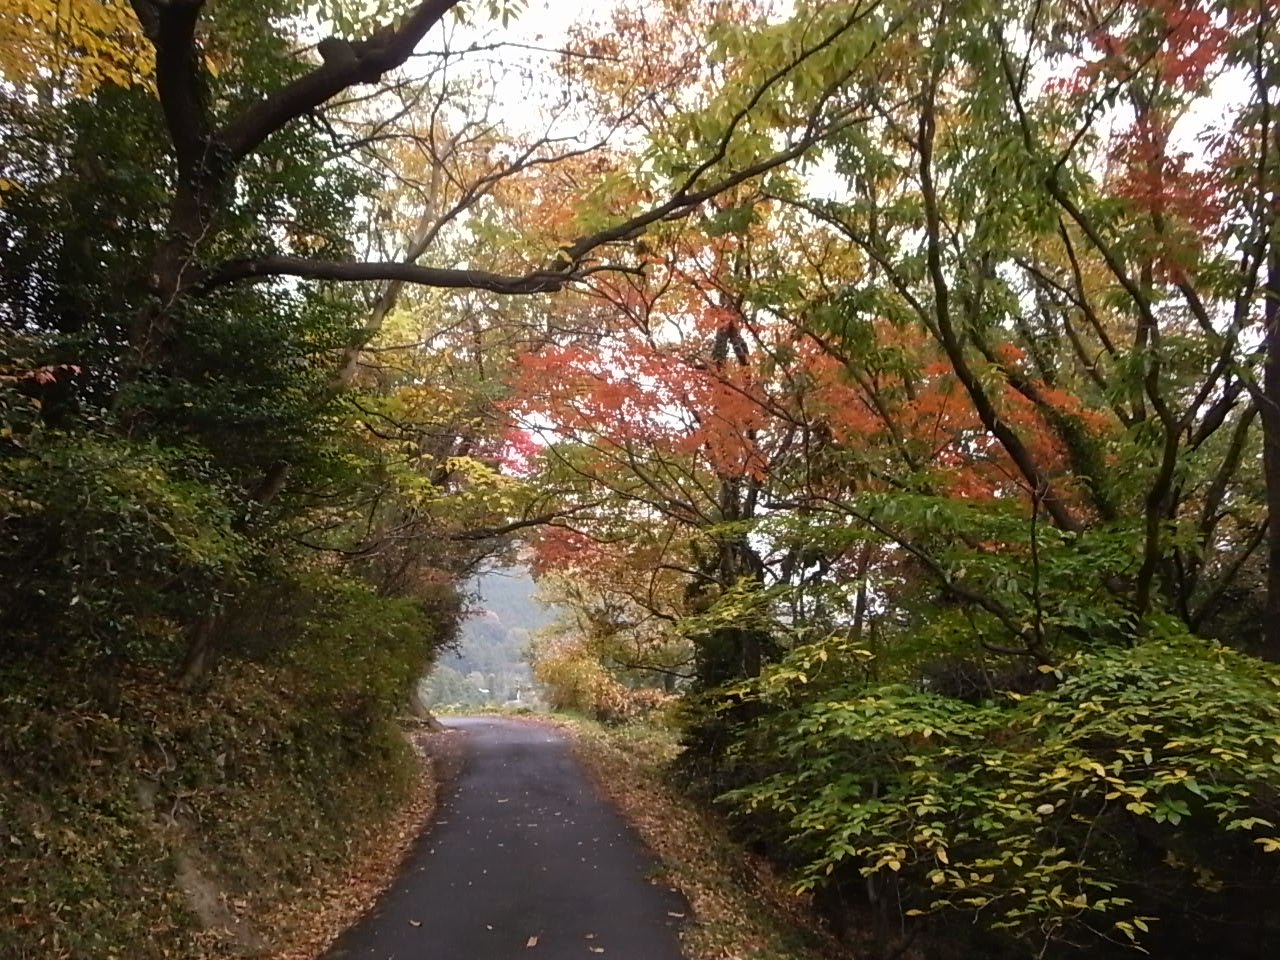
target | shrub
[
  {"x": 572, "y": 678},
  {"x": 620, "y": 705},
  {"x": 108, "y": 544},
  {"x": 1144, "y": 785}
]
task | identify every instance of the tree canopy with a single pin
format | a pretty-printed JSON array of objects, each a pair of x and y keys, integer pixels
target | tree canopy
[{"x": 896, "y": 383}]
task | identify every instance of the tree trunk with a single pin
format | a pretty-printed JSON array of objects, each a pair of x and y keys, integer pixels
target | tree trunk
[
  {"x": 1270, "y": 412},
  {"x": 199, "y": 651}
]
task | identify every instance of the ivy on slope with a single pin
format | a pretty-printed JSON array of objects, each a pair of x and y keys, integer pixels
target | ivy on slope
[{"x": 120, "y": 793}]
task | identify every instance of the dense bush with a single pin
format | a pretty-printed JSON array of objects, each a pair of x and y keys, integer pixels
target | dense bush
[
  {"x": 1143, "y": 786},
  {"x": 109, "y": 545},
  {"x": 571, "y": 677}
]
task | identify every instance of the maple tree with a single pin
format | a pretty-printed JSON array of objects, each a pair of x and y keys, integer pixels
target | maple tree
[
  {"x": 227, "y": 119},
  {"x": 1056, "y": 354}
]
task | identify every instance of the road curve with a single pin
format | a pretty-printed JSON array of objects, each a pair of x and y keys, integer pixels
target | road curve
[{"x": 524, "y": 859}]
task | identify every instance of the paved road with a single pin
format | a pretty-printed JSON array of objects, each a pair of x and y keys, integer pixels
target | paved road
[{"x": 525, "y": 860}]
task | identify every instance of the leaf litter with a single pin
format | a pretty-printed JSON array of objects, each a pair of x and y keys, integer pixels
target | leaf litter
[
  {"x": 307, "y": 928},
  {"x": 741, "y": 908}
]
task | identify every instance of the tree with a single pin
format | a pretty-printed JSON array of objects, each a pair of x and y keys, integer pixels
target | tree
[
  {"x": 253, "y": 195},
  {"x": 977, "y": 399}
]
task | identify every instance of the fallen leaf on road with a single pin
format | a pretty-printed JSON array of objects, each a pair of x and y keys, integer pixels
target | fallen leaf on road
[
  {"x": 532, "y": 942},
  {"x": 416, "y": 923},
  {"x": 672, "y": 913}
]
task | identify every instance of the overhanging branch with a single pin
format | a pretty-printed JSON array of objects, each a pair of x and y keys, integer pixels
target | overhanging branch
[
  {"x": 565, "y": 270},
  {"x": 251, "y": 268},
  {"x": 346, "y": 64},
  {"x": 538, "y": 521}
]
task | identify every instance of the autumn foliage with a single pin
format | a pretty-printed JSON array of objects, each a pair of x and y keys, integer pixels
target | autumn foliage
[
  {"x": 895, "y": 384},
  {"x": 978, "y": 394}
]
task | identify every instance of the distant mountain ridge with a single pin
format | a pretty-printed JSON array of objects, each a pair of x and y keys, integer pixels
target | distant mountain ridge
[{"x": 490, "y": 665}]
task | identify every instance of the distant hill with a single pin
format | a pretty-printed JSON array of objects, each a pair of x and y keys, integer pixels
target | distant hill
[
  {"x": 490, "y": 664},
  {"x": 509, "y": 592}
]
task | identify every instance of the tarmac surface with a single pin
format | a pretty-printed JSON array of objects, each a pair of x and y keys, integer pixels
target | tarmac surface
[{"x": 523, "y": 859}]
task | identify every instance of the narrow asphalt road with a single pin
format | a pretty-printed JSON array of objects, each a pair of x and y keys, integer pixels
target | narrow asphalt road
[{"x": 524, "y": 859}]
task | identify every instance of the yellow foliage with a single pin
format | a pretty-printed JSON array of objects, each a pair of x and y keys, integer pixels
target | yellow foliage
[
  {"x": 572, "y": 678},
  {"x": 74, "y": 45}
]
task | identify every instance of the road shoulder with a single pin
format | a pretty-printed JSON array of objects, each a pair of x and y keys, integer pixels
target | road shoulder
[{"x": 741, "y": 908}]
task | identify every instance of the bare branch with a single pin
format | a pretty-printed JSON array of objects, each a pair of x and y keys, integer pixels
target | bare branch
[{"x": 513, "y": 526}]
